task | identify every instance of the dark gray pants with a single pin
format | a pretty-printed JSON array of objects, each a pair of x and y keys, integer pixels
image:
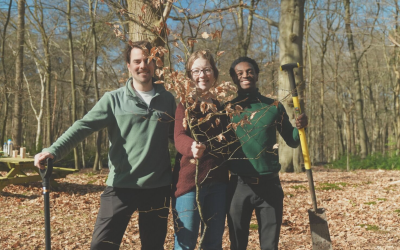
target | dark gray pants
[
  {"x": 267, "y": 199},
  {"x": 116, "y": 208}
]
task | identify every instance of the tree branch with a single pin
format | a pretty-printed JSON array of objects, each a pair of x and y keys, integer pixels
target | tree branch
[
  {"x": 393, "y": 40},
  {"x": 228, "y": 8},
  {"x": 269, "y": 21}
]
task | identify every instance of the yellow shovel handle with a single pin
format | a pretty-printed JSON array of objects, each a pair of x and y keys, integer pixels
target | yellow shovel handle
[{"x": 302, "y": 133}]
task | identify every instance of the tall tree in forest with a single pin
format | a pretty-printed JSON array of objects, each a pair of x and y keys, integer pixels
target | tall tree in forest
[
  {"x": 374, "y": 106},
  {"x": 42, "y": 75},
  {"x": 327, "y": 25},
  {"x": 72, "y": 71},
  {"x": 395, "y": 66},
  {"x": 242, "y": 38},
  {"x": 359, "y": 103},
  {"x": 92, "y": 12},
  {"x": 19, "y": 71},
  {"x": 338, "y": 45},
  {"x": 290, "y": 51},
  {"x": 308, "y": 66},
  {"x": 39, "y": 21},
  {"x": 5, "y": 75}
]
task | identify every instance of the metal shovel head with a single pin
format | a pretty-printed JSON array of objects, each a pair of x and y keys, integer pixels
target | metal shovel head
[{"x": 319, "y": 230}]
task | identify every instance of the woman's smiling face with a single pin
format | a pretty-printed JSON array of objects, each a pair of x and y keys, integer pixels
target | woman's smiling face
[{"x": 202, "y": 74}]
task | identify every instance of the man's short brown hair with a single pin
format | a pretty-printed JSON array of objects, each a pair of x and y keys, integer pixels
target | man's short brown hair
[{"x": 140, "y": 45}]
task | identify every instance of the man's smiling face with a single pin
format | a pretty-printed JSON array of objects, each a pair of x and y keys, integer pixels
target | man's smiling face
[
  {"x": 246, "y": 77},
  {"x": 142, "y": 72}
]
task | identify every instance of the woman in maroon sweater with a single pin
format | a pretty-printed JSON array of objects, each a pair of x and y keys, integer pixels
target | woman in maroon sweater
[{"x": 212, "y": 172}]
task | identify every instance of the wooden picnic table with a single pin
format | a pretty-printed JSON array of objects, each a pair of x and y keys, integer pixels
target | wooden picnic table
[{"x": 16, "y": 167}]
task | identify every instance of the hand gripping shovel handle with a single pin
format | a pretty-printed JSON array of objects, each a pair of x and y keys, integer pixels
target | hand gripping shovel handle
[
  {"x": 303, "y": 139},
  {"x": 45, "y": 174}
]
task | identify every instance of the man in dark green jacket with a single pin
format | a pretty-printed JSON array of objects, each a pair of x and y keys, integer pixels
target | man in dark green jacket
[
  {"x": 139, "y": 119},
  {"x": 254, "y": 182}
]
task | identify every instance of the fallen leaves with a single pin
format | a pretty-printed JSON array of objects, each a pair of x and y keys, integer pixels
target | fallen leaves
[{"x": 353, "y": 224}]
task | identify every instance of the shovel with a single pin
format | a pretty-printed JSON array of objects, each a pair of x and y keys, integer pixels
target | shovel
[
  {"x": 45, "y": 174},
  {"x": 318, "y": 224}
]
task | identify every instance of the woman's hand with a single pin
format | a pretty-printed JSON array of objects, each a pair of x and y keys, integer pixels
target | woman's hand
[{"x": 198, "y": 149}]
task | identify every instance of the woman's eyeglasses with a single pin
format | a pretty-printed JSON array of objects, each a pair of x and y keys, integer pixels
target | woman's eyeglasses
[{"x": 206, "y": 71}]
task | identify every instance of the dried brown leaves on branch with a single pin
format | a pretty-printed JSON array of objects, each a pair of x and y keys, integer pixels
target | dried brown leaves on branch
[{"x": 186, "y": 90}]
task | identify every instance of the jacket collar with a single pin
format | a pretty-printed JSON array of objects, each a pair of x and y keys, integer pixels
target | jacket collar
[
  {"x": 250, "y": 95},
  {"x": 129, "y": 91}
]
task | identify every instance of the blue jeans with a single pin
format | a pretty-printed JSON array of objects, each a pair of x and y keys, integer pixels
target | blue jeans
[{"x": 212, "y": 197}]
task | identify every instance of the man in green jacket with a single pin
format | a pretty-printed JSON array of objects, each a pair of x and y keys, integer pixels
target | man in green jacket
[
  {"x": 139, "y": 119},
  {"x": 254, "y": 182}
]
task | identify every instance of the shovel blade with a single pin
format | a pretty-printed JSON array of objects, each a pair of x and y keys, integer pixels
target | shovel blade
[{"x": 321, "y": 239}]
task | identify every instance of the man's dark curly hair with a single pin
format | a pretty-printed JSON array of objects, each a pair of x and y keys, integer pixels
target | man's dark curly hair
[
  {"x": 138, "y": 44},
  {"x": 232, "y": 72}
]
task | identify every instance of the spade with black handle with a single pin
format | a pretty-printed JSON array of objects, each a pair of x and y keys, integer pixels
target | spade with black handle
[
  {"x": 45, "y": 174},
  {"x": 318, "y": 224}
]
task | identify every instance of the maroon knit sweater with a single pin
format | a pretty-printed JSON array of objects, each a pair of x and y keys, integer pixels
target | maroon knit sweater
[{"x": 183, "y": 177}]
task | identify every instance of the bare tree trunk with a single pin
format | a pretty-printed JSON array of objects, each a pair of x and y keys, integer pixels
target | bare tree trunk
[
  {"x": 85, "y": 88},
  {"x": 396, "y": 87},
  {"x": 321, "y": 142},
  {"x": 374, "y": 110},
  {"x": 385, "y": 129},
  {"x": 290, "y": 42},
  {"x": 385, "y": 136},
  {"x": 6, "y": 103},
  {"x": 348, "y": 137},
  {"x": 311, "y": 128},
  {"x": 39, "y": 115},
  {"x": 19, "y": 70},
  {"x": 83, "y": 155},
  {"x": 337, "y": 122},
  {"x": 397, "y": 112},
  {"x": 53, "y": 116},
  {"x": 151, "y": 26},
  {"x": 39, "y": 18},
  {"x": 72, "y": 71},
  {"x": 92, "y": 11},
  {"x": 354, "y": 148},
  {"x": 359, "y": 104},
  {"x": 6, "y": 99},
  {"x": 240, "y": 30},
  {"x": 49, "y": 136},
  {"x": 244, "y": 40}
]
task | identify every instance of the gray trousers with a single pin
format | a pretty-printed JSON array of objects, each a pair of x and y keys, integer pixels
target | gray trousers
[{"x": 266, "y": 198}]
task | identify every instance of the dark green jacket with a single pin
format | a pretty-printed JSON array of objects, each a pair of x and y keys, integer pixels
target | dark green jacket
[
  {"x": 254, "y": 155},
  {"x": 138, "y": 154}
]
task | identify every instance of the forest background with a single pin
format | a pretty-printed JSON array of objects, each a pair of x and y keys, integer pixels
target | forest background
[{"x": 58, "y": 58}]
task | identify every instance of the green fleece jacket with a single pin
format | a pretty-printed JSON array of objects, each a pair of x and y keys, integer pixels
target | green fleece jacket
[
  {"x": 138, "y": 134},
  {"x": 254, "y": 154}
]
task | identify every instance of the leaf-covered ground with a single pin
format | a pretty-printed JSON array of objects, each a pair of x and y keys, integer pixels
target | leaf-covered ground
[{"x": 362, "y": 208}]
